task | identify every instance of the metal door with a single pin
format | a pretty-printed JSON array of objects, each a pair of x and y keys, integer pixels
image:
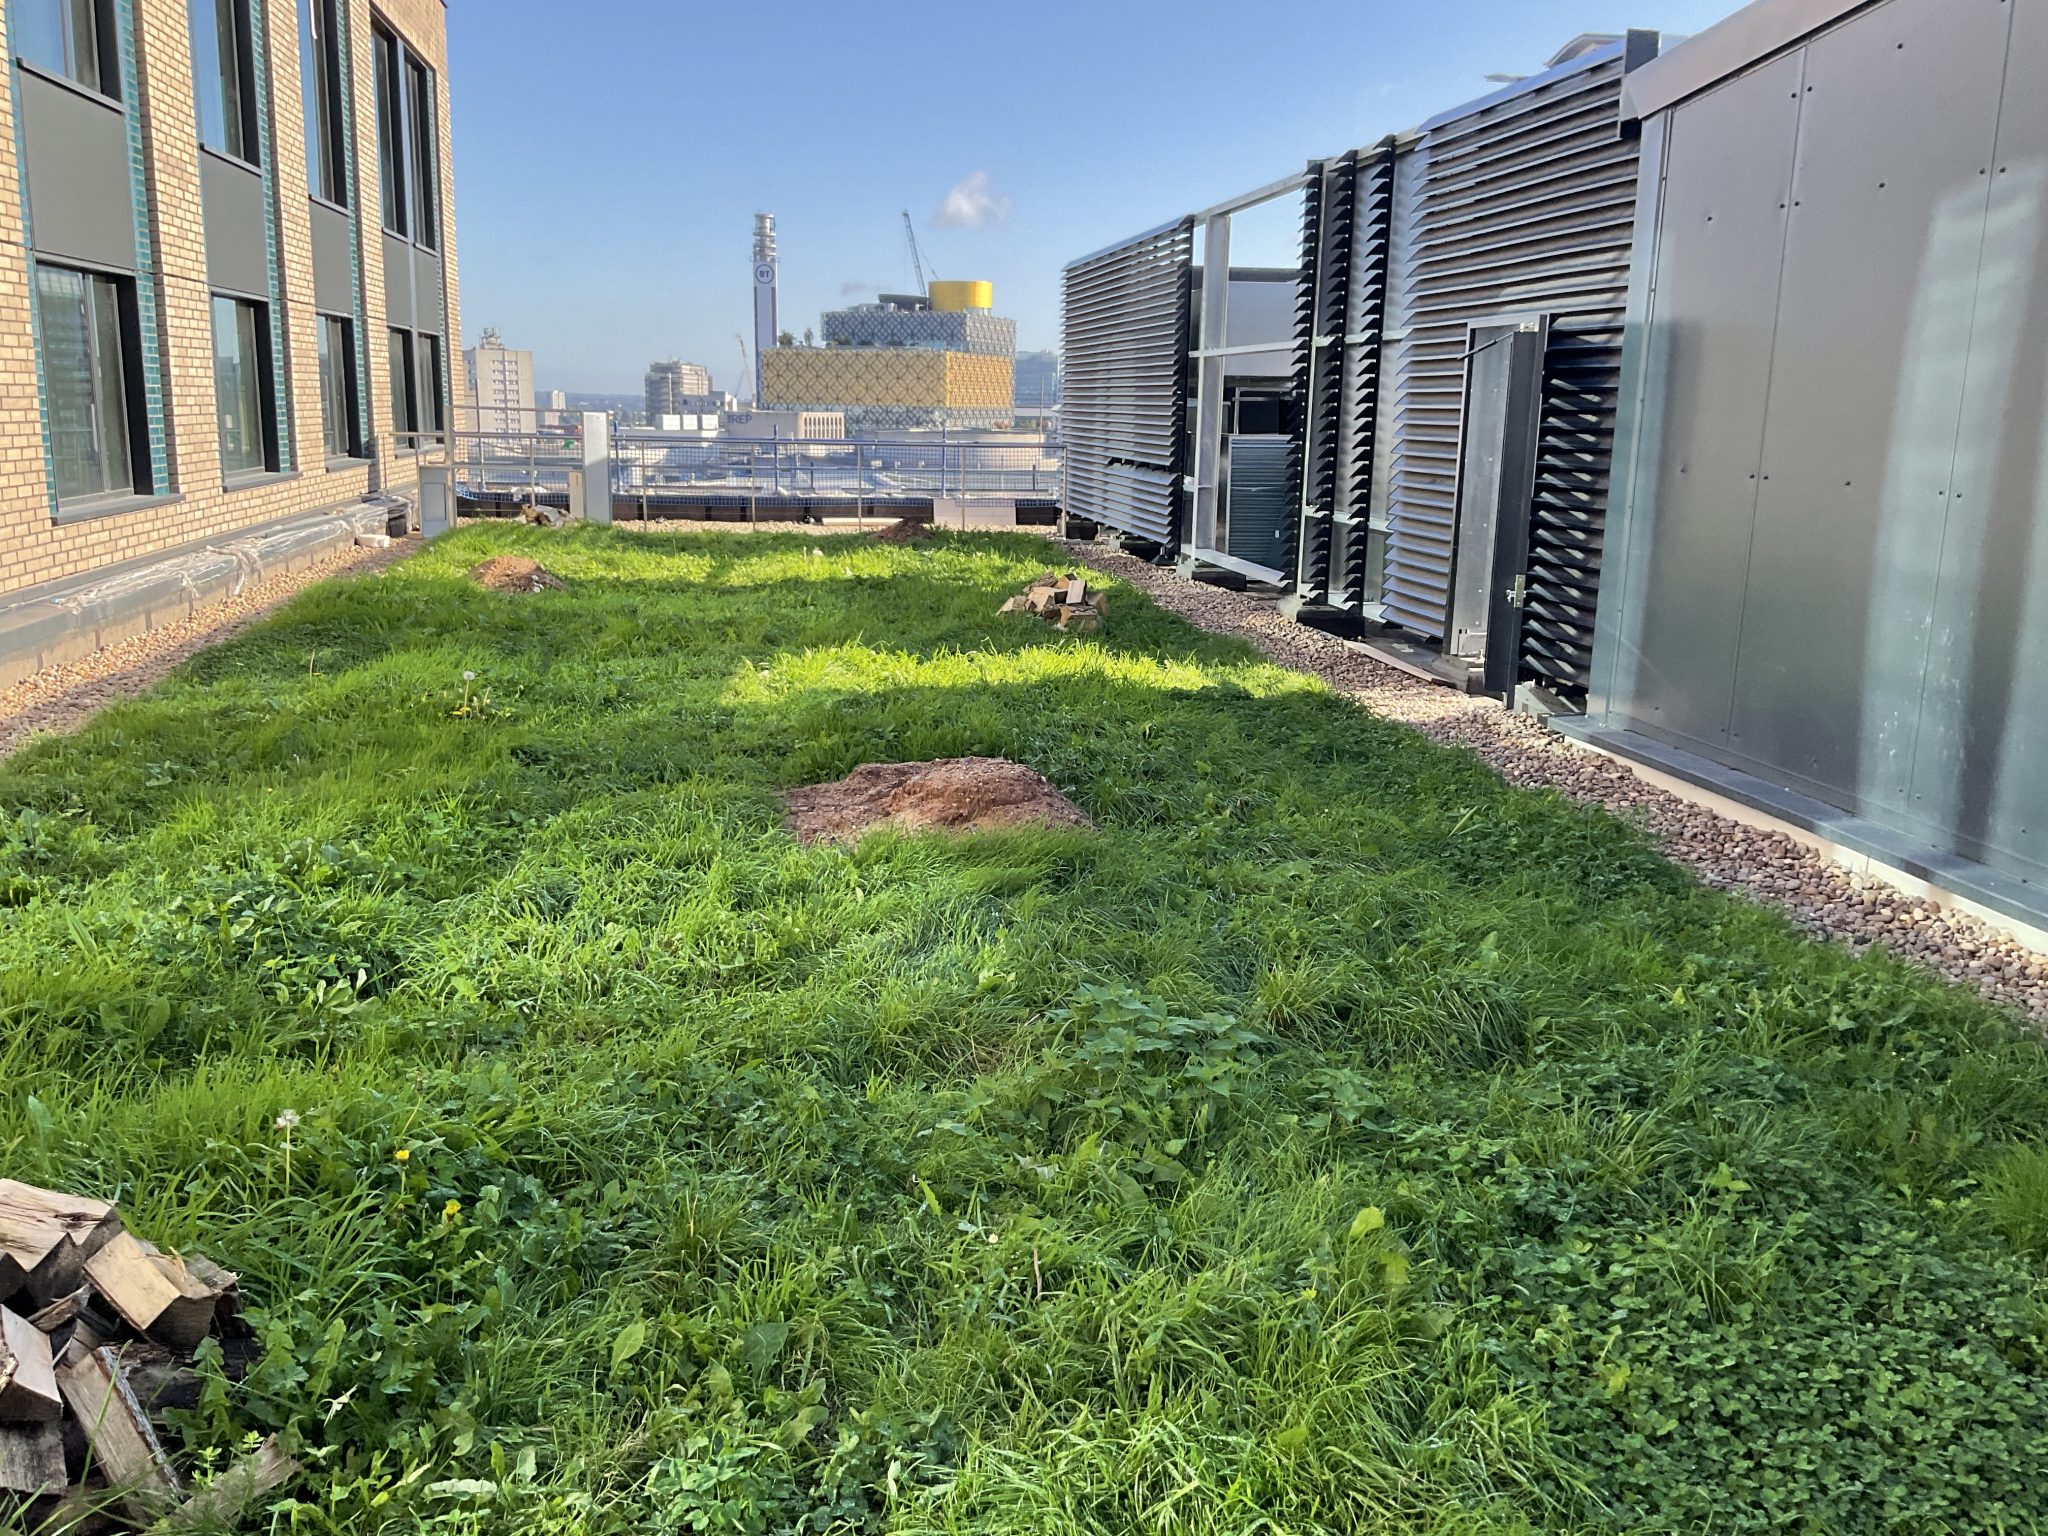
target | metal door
[{"x": 1496, "y": 483}]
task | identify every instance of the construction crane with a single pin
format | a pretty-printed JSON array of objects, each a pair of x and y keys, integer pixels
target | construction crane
[
  {"x": 746, "y": 369},
  {"x": 916, "y": 256}
]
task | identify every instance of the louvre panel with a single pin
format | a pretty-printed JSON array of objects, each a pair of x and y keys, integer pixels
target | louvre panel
[
  {"x": 1124, "y": 412},
  {"x": 1314, "y": 539},
  {"x": 1526, "y": 206},
  {"x": 1567, "y": 520},
  {"x": 1364, "y": 341}
]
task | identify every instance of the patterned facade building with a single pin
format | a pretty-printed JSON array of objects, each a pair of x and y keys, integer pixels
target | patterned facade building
[
  {"x": 227, "y": 269},
  {"x": 888, "y": 325},
  {"x": 885, "y": 389}
]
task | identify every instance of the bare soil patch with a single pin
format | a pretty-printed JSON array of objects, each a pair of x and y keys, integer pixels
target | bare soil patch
[
  {"x": 515, "y": 573},
  {"x": 903, "y": 531},
  {"x": 954, "y": 794}
]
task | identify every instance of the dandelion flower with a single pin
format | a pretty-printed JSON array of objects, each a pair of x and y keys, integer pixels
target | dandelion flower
[
  {"x": 469, "y": 677},
  {"x": 402, "y": 1155},
  {"x": 288, "y": 1119}
]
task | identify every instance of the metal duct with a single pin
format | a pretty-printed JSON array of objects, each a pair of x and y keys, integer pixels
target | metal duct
[
  {"x": 1527, "y": 206},
  {"x": 1124, "y": 412}
]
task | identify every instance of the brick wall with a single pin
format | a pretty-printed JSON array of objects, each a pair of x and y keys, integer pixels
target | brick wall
[{"x": 34, "y": 548}]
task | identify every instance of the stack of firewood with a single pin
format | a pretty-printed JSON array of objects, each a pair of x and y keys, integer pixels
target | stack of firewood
[
  {"x": 97, "y": 1331},
  {"x": 1063, "y": 600}
]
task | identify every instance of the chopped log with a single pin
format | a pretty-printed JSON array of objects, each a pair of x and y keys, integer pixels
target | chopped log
[
  {"x": 123, "y": 1443},
  {"x": 63, "y": 1310},
  {"x": 1077, "y": 591},
  {"x": 28, "y": 1384},
  {"x": 153, "y": 1291},
  {"x": 48, "y": 1237},
  {"x": 32, "y": 1458},
  {"x": 225, "y": 1284},
  {"x": 223, "y": 1501},
  {"x": 158, "y": 1378}
]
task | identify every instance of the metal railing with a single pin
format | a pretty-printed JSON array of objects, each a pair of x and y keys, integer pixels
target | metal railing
[{"x": 499, "y": 460}]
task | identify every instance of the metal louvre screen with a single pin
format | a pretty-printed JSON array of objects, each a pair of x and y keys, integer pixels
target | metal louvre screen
[
  {"x": 1124, "y": 412},
  {"x": 1527, "y": 205},
  {"x": 1568, "y": 520},
  {"x": 1314, "y": 543},
  {"x": 1365, "y": 330}
]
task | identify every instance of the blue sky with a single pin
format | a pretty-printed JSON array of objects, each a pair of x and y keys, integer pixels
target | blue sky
[{"x": 610, "y": 156}]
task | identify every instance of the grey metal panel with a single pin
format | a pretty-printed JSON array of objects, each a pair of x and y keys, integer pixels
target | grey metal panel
[
  {"x": 1980, "y": 761},
  {"x": 237, "y": 234},
  {"x": 1528, "y": 205},
  {"x": 334, "y": 282},
  {"x": 428, "y": 311},
  {"x": 79, "y": 204},
  {"x": 398, "y": 305},
  {"x": 1874, "y": 309},
  {"x": 1707, "y": 366},
  {"x": 1728, "y": 47},
  {"x": 1124, "y": 411}
]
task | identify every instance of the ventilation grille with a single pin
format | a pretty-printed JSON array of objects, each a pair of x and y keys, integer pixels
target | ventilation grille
[
  {"x": 1568, "y": 520},
  {"x": 1528, "y": 205},
  {"x": 1124, "y": 412},
  {"x": 1260, "y": 527},
  {"x": 1364, "y": 341},
  {"x": 1315, "y": 536}
]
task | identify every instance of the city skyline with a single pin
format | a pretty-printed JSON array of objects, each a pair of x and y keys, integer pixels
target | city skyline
[{"x": 1013, "y": 152}]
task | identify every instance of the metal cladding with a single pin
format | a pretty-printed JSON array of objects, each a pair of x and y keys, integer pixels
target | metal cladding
[
  {"x": 882, "y": 325},
  {"x": 1123, "y": 414},
  {"x": 1527, "y": 206}
]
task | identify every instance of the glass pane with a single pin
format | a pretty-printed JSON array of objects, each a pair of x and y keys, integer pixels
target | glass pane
[
  {"x": 110, "y": 390},
  {"x": 217, "y": 75},
  {"x": 337, "y": 400},
  {"x": 67, "y": 380},
  {"x": 430, "y": 384},
  {"x": 237, "y": 386},
  {"x": 401, "y": 387},
  {"x": 420, "y": 89},
  {"x": 390, "y": 134},
  {"x": 320, "y": 78},
  {"x": 61, "y": 36}
]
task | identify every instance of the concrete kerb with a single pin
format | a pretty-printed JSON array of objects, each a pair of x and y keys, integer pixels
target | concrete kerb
[{"x": 43, "y": 627}]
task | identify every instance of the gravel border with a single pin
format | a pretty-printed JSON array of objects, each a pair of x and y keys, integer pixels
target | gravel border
[
  {"x": 1771, "y": 867},
  {"x": 60, "y": 699}
]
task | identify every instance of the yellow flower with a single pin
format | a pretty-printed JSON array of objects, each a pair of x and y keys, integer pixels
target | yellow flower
[
  {"x": 402, "y": 1155},
  {"x": 451, "y": 1210}
]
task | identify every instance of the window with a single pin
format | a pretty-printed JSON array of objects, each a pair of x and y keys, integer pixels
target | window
[
  {"x": 65, "y": 38},
  {"x": 223, "y": 81},
  {"x": 408, "y": 141},
  {"x": 405, "y": 417},
  {"x": 430, "y": 387},
  {"x": 320, "y": 77},
  {"x": 338, "y": 388},
  {"x": 422, "y": 141},
  {"x": 83, "y": 318},
  {"x": 241, "y": 387},
  {"x": 390, "y": 131}
]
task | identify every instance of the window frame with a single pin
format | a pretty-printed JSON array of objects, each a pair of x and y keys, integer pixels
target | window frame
[
  {"x": 264, "y": 390},
  {"x": 244, "y": 118},
  {"x": 104, "y": 297},
  {"x": 335, "y": 344},
  {"x": 423, "y": 143},
  {"x": 388, "y": 67},
  {"x": 407, "y": 97},
  {"x": 405, "y": 411},
  {"x": 324, "y": 102},
  {"x": 106, "y": 55},
  {"x": 430, "y": 357}
]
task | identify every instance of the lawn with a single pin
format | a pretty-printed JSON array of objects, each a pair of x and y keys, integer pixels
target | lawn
[{"x": 1335, "y": 1140}]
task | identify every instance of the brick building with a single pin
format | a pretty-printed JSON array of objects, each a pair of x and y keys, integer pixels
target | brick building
[{"x": 227, "y": 270}]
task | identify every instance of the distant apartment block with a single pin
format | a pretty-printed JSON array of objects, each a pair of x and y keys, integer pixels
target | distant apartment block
[
  {"x": 501, "y": 385},
  {"x": 671, "y": 384},
  {"x": 232, "y": 289}
]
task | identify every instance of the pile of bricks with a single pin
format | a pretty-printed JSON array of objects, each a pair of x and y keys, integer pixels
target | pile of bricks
[{"x": 1064, "y": 600}]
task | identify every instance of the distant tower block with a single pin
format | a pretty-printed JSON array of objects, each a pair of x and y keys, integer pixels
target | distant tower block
[{"x": 764, "y": 294}]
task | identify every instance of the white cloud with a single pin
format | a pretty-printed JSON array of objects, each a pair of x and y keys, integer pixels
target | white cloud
[{"x": 972, "y": 204}]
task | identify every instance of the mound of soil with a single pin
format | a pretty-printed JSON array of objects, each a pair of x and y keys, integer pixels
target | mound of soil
[
  {"x": 515, "y": 573},
  {"x": 903, "y": 531},
  {"x": 954, "y": 794}
]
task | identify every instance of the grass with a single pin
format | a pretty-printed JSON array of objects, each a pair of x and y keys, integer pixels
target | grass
[{"x": 1336, "y": 1140}]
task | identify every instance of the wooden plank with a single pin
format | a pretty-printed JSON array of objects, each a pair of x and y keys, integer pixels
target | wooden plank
[
  {"x": 49, "y": 1236},
  {"x": 32, "y": 1458},
  {"x": 124, "y": 1446},
  {"x": 228, "y": 1497},
  {"x": 28, "y": 1384},
  {"x": 153, "y": 1291}
]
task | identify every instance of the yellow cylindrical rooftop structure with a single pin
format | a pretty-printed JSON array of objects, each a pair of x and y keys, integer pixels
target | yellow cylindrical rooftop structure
[{"x": 950, "y": 298}]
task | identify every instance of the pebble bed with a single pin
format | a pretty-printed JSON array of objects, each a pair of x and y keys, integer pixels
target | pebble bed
[
  {"x": 1816, "y": 893},
  {"x": 62, "y": 698}
]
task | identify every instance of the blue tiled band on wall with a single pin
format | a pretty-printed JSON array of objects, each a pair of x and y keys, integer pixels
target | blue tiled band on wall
[
  {"x": 344, "y": 42},
  {"x": 259, "y": 48},
  {"x": 147, "y": 278}
]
